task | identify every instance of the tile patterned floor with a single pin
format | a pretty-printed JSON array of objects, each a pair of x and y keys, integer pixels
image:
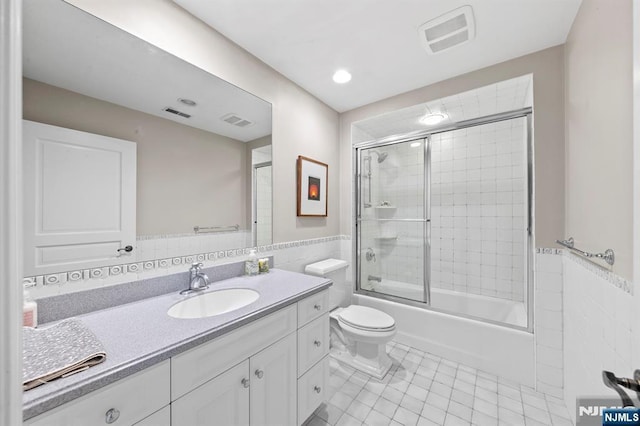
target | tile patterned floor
[{"x": 425, "y": 390}]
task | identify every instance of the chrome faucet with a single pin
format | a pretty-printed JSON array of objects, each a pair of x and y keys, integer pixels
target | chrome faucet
[{"x": 198, "y": 281}]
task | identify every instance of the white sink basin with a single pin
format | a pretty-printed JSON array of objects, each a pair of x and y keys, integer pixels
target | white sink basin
[{"x": 213, "y": 303}]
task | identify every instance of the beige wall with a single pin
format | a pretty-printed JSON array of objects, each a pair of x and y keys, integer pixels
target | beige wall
[
  {"x": 184, "y": 175},
  {"x": 599, "y": 130},
  {"x": 302, "y": 125},
  {"x": 547, "y": 69}
]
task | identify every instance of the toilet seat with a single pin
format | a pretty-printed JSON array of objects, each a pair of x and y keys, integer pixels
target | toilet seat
[{"x": 366, "y": 319}]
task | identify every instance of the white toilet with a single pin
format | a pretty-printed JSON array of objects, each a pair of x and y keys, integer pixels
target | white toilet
[{"x": 359, "y": 334}]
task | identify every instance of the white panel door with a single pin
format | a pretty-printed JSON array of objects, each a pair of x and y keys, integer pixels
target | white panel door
[
  {"x": 79, "y": 198},
  {"x": 273, "y": 384},
  {"x": 221, "y": 401}
]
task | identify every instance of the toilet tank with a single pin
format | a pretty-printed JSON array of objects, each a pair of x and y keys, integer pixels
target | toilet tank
[{"x": 336, "y": 271}]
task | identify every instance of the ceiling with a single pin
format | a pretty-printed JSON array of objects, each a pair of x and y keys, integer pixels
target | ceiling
[
  {"x": 377, "y": 40},
  {"x": 505, "y": 96},
  {"x": 88, "y": 56}
]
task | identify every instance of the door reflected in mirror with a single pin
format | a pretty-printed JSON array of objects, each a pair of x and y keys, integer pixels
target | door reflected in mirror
[{"x": 203, "y": 145}]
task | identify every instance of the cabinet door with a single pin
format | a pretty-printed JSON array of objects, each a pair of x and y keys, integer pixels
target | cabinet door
[
  {"x": 273, "y": 384},
  {"x": 221, "y": 401},
  {"x": 79, "y": 198},
  {"x": 159, "y": 418}
]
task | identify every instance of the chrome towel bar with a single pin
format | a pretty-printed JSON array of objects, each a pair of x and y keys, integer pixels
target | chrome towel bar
[
  {"x": 608, "y": 255},
  {"x": 210, "y": 229}
]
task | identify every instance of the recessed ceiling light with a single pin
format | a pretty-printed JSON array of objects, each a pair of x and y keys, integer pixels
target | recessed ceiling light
[
  {"x": 188, "y": 102},
  {"x": 416, "y": 144},
  {"x": 433, "y": 119},
  {"x": 342, "y": 76}
]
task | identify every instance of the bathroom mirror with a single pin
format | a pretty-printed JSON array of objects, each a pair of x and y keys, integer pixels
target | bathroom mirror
[{"x": 203, "y": 145}]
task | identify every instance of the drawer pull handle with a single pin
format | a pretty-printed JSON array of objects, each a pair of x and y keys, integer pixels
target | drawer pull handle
[
  {"x": 245, "y": 383},
  {"x": 111, "y": 416},
  {"x": 317, "y": 343},
  {"x": 318, "y": 389},
  {"x": 317, "y": 307},
  {"x": 259, "y": 373}
]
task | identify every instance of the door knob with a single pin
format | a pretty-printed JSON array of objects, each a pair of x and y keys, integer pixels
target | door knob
[
  {"x": 259, "y": 373},
  {"x": 245, "y": 383}
]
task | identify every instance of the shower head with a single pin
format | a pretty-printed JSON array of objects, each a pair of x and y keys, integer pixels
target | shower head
[{"x": 381, "y": 155}]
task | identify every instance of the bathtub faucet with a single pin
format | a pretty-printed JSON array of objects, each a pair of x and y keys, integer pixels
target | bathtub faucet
[{"x": 372, "y": 278}]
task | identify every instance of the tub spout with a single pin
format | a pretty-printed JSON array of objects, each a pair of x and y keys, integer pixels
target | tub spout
[{"x": 374, "y": 278}]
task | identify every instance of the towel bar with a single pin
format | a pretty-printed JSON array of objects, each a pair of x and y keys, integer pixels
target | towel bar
[{"x": 608, "y": 255}]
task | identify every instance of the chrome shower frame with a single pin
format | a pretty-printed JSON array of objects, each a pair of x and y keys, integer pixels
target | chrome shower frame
[{"x": 357, "y": 158}]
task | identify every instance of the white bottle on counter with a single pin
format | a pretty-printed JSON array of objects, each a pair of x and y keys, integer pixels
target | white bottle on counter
[
  {"x": 251, "y": 265},
  {"x": 29, "y": 311}
]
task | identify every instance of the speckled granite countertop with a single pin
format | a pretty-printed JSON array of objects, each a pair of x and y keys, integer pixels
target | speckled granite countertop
[{"x": 140, "y": 334}]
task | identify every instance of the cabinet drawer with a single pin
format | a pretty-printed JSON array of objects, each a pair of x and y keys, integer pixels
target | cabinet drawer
[
  {"x": 131, "y": 399},
  {"x": 312, "y": 307},
  {"x": 312, "y": 389},
  {"x": 201, "y": 364},
  {"x": 313, "y": 343}
]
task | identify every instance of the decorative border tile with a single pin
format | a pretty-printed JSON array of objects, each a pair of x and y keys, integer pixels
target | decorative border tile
[
  {"x": 149, "y": 265},
  {"x": 75, "y": 275},
  {"x": 546, "y": 250},
  {"x": 600, "y": 271},
  {"x": 614, "y": 279}
]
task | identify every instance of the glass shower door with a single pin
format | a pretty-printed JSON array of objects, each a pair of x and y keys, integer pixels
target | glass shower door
[
  {"x": 479, "y": 221},
  {"x": 392, "y": 220}
]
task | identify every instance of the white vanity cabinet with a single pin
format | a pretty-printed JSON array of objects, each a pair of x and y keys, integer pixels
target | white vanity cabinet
[
  {"x": 122, "y": 403},
  {"x": 272, "y": 371}
]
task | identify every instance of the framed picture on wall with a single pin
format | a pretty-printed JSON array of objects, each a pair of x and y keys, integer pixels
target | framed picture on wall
[{"x": 312, "y": 187}]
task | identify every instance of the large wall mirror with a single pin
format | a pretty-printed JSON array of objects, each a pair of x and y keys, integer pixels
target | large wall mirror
[{"x": 202, "y": 146}]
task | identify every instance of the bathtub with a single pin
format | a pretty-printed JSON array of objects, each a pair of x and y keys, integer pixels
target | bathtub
[
  {"x": 475, "y": 305},
  {"x": 493, "y": 348}
]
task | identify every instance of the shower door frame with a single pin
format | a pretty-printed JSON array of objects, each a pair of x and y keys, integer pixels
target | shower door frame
[
  {"x": 426, "y": 136},
  {"x": 426, "y": 219}
]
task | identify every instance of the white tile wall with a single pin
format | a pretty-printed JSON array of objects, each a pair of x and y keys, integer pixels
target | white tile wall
[
  {"x": 598, "y": 331},
  {"x": 548, "y": 323},
  {"x": 478, "y": 212}
]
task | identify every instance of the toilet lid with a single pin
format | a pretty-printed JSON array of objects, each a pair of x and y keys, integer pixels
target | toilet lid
[{"x": 366, "y": 318}]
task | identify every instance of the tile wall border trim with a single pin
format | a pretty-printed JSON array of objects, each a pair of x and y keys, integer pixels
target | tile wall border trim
[
  {"x": 600, "y": 271},
  {"x": 603, "y": 273},
  {"x": 146, "y": 265}
]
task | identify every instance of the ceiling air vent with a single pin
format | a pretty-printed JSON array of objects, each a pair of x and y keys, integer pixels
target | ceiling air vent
[
  {"x": 236, "y": 120},
  {"x": 176, "y": 112},
  {"x": 446, "y": 31}
]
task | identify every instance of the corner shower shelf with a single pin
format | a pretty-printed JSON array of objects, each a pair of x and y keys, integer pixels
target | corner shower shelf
[{"x": 386, "y": 238}]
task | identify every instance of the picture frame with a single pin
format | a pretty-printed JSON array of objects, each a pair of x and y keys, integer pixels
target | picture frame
[{"x": 312, "y": 188}]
